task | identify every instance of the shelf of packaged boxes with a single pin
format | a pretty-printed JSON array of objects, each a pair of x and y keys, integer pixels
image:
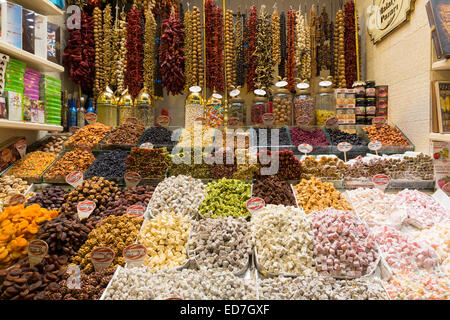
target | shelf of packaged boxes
[
  {"x": 439, "y": 136},
  {"x": 32, "y": 61},
  {"x": 441, "y": 65},
  {"x": 44, "y": 7},
  {"x": 29, "y": 125}
]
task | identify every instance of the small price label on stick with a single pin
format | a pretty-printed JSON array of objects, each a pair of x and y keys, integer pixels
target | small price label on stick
[
  {"x": 132, "y": 179},
  {"x": 446, "y": 188},
  {"x": 16, "y": 199},
  {"x": 75, "y": 178},
  {"x": 201, "y": 120},
  {"x": 379, "y": 121},
  {"x": 255, "y": 204},
  {"x": 332, "y": 123},
  {"x": 233, "y": 122},
  {"x": 102, "y": 258},
  {"x": 268, "y": 119},
  {"x": 85, "y": 208},
  {"x": 37, "y": 249},
  {"x": 21, "y": 147},
  {"x": 375, "y": 146},
  {"x": 132, "y": 120},
  {"x": 74, "y": 129},
  {"x": 305, "y": 148},
  {"x": 134, "y": 254},
  {"x": 303, "y": 120},
  {"x": 344, "y": 147},
  {"x": 381, "y": 181},
  {"x": 163, "y": 121},
  {"x": 135, "y": 211},
  {"x": 146, "y": 145},
  {"x": 91, "y": 117}
]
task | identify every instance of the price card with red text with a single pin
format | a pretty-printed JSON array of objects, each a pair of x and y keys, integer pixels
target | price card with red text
[
  {"x": 163, "y": 121},
  {"x": 255, "y": 204},
  {"x": 268, "y": 119},
  {"x": 332, "y": 123},
  {"x": 16, "y": 199},
  {"x": 303, "y": 121},
  {"x": 132, "y": 120},
  {"x": 381, "y": 181},
  {"x": 132, "y": 179},
  {"x": 135, "y": 211},
  {"x": 233, "y": 122},
  {"x": 21, "y": 147},
  {"x": 134, "y": 254},
  {"x": 91, "y": 117},
  {"x": 305, "y": 148},
  {"x": 37, "y": 249},
  {"x": 146, "y": 145},
  {"x": 102, "y": 258},
  {"x": 344, "y": 146},
  {"x": 85, "y": 208},
  {"x": 75, "y": 178},
  {"x": 374, "y": 145}
]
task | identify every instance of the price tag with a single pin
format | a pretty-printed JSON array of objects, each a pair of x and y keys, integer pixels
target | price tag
[
  {"x": 332, "y": 123},
  {"x": 375, "y": 146},
  {"x": 217, "y": 96},
  {"x": 132, "y": 120},
  {"x": 195, "y": 89},
  {"x": 134, "y": 254},
  {"x": 91, "y": 117},
  {"x": 16, "y": 199},
  {"x": 75, "y": 178},
  {"x": 268, "y": 119},
  {"x": 281, "y": 84},
  {"x": 259, "y": 92},
  {"x": 37, "y": 249},
  {"x": 132, "y": 179},
  {"x": 344, "y": 147},
  {"x": 202, "y": 120},
  {"x": 235, "y": 93},
  {"x": 255, "y": 204},
  {"x": 446, "y": 187},
  {"x": 233, "y": 122},
  {"x": 303, "y": 120},
  {"x": 85, "y": 208},
  {"x": 146, "y": 145},
  {"x": 21, "y": 147},
  {"x": 305, "y": 148},
  {"x": 74, "y": 129},
  {"x": 163, "y": 121},
  {"x": 102, "y": 258},
  {"x": 136, "y": 211},
  {"x": 381, "y": 181},
  {"x": 379, "y": 121}
]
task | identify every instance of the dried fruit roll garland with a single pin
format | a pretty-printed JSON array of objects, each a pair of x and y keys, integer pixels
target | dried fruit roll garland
[
  {"x": 122, "y": 61},
  {"x": 252, "y": 22},
  {"x": 193, "y": 49},
  {"x": 188, "y": 55},
  {"x": 339, "y": 51},
  {"x": 263, "y": 52},
  {"x": 107, "y": 45},
  {"x": 290, "y": 65},
  {"x": 300, "y": 42},
  {"x": 171, "y": 54},
  {"x": 149, "y": 51},
  {"x": 350, "y": 43},
  {"x": 214, "y": 46},
  {"x": 135, "y": 68},
  {"x": 324, "y": 52},
  {"x": 276, "y": 50},
  {"x": 98, "y": 36},
  {"x": 283, "y": 53},
  {"x": 79, "y": 54},
  {"x": 238, "y": 36},
  {"x": 229, "y": 54}
]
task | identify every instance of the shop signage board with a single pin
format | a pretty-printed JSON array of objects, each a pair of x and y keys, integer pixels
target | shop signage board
[{"x": 384, "y": 16}]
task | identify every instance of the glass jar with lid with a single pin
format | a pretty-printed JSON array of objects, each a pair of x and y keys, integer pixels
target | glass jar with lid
[
  {"x": 303, "y": 105},
  {"x": 282, "y": 104},
  {"x": 260, "y": 106},
  {"x": 107, "y": 108},
  {"x": 325, "y": 105},
  {"x": 194, "y": 107},
  {"x": 144, "y": 110},
  {"x": 237, "y": 113},
  {"x": 125, "y": 106},
  {"x": 215, "y": 110}
]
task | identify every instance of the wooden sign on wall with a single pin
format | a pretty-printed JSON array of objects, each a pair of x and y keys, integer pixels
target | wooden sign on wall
[{"x": 386, "y": 15}]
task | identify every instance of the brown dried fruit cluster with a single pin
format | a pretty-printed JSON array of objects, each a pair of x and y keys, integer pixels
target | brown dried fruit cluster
[
  {"x": 99, "y": 82},
  {"x": 125, "y": 134},
  {"x": 188, "y": 48},
  {"x": 274, "y": 191},
  {"x": 229, "y": 49},
  {"x": 139, "y": 196},
  {"x": 214, "y": 46},
  {"x": 70, "y": 161},
  {"x": 238, "y": 36},
  {"x": 276, "y": 44},
  {"x": 387, "y": 135},
  {"x": 350, "y": 43},
  {"x": 290, "y": 63},
  {"x": 89, "y": 135},
  {"x": 122, "y": 54},
  {"x": 115, "y": 232},
  {"x": 250, "y": 38},
  {"x": 197, "y": 53},
  {"x": 339, "y": 53},
  {"x": 263, "y": 52},
  {"x": 108, "y": 61},
  {"x": 149, "y": 52}
]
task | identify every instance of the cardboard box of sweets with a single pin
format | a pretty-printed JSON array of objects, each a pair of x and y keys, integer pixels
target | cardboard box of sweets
[{"x": 8, "y": 152}]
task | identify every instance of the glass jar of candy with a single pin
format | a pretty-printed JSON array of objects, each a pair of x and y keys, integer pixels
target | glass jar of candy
[
  {"x": 144, "y": 108},
  {"x": 260, "y": 106},
  {"x": 107, "y": 108},
  {"x": 215, "y": 111},
  {"x": 303, "y": 106},
  {"x": 325, "y": 105},
  {"x": 126, "y": 107},
  {"x": 282, "y": 104},
  {"x": 194, "y": 107}
]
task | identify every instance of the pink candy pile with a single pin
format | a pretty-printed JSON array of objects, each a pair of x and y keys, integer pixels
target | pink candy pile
[
  {"x": 314, "y": 137},
  {"x": 421, "y": 207},
  {"x": 401, "y": 252},
  {"x": 342, "y": 247}
]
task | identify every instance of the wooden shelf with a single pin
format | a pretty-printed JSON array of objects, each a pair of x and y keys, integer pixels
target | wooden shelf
[
  {"x": 29, "y": 125},
  {"x": 439, "y": 136},
  {"x": 32, "y": 61},
  {"x": 43, "y": 7},
  {"x": 441, "y": 65}
]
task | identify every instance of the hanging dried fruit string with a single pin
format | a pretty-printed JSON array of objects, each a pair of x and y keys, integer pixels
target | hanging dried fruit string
[
  {"x": 171, "y": 54},
  {"x": 263, "y": 52},
  {"x": 283, "y": 55},
  {"x": 252, "y": 22},
  {"x": 214, "y": 46},
  {"x": 122, "y": 61},
  {"x": 135, "y": 52},
  {"x": 188, "y": 48},
  {"x": 339, "y": 52},
  {"x": 300, "y": 41},
  {"x": 149, "y": 50},
  {"x": 350, "y": 43},
  {"x": 276, "y": 53},
  {"x": 79, "y": 54},
  {"x": 197, "y": 49},
  {"x": 229, "y": 52},
  {"x": 107, "y": 40},
  {"x": 313, "y": 37},
  {"x": 324, "y": 52},
  {"x": 238, "y": 36},
  {"x": 290, "y": 65},
  {"x": 98, "y": 38},
  {"x": 115, "y": 48},
  {"x": 306, "y": 72},
  {"x": 158, "y": 77},
  {"x": 164, "y": 8}
]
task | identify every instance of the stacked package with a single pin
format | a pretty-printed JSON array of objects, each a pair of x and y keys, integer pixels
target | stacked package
[
  {"x": 31, "y": 96},
  {"x": 14, "y": 87},
  {"x": 50, "y": 95}
]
